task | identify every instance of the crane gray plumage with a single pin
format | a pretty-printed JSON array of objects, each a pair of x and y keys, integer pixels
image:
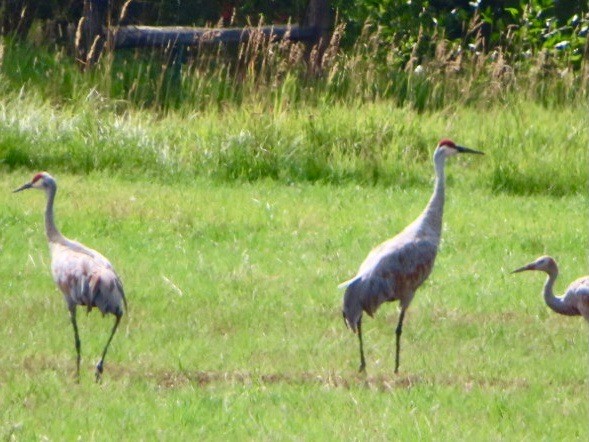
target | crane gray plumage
[
  {"x": 575, "y": 300},
  {"x": 83, "y": 275},
  {"x": 395, "y": 269}
]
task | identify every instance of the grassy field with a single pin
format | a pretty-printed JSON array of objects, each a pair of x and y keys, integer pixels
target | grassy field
[
  {"x": 535, "y": 149},
  {"x": 235, "y": 331},
  {"x": 233, "y": 203}
]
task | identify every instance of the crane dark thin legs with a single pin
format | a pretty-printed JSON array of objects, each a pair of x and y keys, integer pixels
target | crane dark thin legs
[
  {"x": 398, "y": 332},
  {"x": 99, "y": 366},
  {"x": 362, "y": 361},
  {"x": 77, "y": 341}
]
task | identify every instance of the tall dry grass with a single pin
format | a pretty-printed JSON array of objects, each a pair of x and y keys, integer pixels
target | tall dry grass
[
  {"x": 425, "y": 72},
  {"x": 256, "y": 111}
]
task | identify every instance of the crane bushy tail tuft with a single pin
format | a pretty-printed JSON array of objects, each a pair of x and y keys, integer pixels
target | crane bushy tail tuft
[{"x": 348, "y": 283}]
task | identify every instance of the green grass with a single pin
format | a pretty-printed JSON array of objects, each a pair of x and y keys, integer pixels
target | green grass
[
  {"x": 235, "y": 331},
  {"x": 531, "y": 149},
  {"x": 232, "y": 209}
]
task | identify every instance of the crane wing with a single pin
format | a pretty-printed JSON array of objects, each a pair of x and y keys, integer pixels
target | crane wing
[
  {"x": 582, "y": 284},
  {"x": 75, "y": 246},
  {"x": 408, "y": 266},
  {"x": 409, "y": 260},
  {"x": 579, "y": 288},
  {"x": 85, "y": 279},
  {"x": 393, "y": 270}
]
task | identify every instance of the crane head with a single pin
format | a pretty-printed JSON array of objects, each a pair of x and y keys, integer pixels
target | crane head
[
  {"x": 544, "y": 263},
  {"x": 448, "y": 148},
  {"x": 42, "y": 181}
]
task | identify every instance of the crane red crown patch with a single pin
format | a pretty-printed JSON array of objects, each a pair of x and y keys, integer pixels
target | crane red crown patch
[
  {"x": 37, "y": 177},
  {"x": 447, "y": 142}
]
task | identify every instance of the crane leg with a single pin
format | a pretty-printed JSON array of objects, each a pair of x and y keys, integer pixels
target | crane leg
[
  {"x": 362, "y": 360},
  {"x": 398, "y": 332},
  {"x": 100, "y": 365},
  {"x": 76, "y": 341}
]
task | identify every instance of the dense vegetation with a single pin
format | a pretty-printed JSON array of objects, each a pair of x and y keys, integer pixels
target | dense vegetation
[
  {"x": 235, "y": 329},
  {"x": 405, "y": 52},
  {"x": 235, "y": 190},
  {"x": 256, "y": 112}
]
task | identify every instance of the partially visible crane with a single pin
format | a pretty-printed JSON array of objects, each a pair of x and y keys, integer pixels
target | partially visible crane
[
  {"x": 395, "y": 269},
  {"x": 84, "y": 276},
  {"x": 575, "y": 300}
]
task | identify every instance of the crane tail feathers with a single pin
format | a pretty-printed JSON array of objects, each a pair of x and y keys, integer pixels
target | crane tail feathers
[
  {"x": 348, "y": 283},
  {"x": 126, "y": 306},
  {"x": 120, "y": 287}
]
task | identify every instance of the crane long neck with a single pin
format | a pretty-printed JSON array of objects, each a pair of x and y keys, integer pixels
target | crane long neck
[
  {"x": 53, "y": 235},
  {"x": 435, "y": 207},
  {"x": 556, "y": 303}
]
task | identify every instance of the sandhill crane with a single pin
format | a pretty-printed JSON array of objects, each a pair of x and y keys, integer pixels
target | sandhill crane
[
  {"x": 396, "y": 268},
  {"x": 83, "y": 275},
  {"x": 575, "y": 300}
]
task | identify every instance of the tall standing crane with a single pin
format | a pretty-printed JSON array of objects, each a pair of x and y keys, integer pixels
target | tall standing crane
[
  {"x": 395, "y": 269},
  {"x": 84, "y": 276},
  {"x": 575, "y": 300}
]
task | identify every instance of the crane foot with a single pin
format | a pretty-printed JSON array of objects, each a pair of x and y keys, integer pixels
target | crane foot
[{"x": 99, "y": 370}]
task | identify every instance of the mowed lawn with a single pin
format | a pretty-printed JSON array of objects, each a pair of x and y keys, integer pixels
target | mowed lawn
[{"x": 234, "y": 329}]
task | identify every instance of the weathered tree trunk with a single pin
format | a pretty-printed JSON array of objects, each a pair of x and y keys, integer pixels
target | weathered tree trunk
[
  {"x": 91, "y": 32},
  {"x": 317, "y": 18},
  {"x": 152, "y": 36}
]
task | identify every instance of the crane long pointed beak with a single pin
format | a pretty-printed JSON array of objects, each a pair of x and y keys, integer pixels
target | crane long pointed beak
[
  {"x": 524, "y": 268},
  {"x": 462, "y": 149},
  {"x": 23, "y": 187}
]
